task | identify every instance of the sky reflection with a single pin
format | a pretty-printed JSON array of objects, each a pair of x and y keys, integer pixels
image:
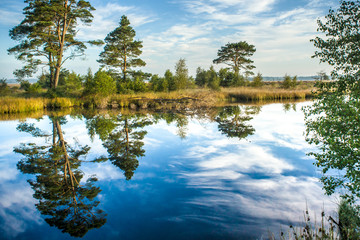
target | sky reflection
[{"x": 205, "y": 185}]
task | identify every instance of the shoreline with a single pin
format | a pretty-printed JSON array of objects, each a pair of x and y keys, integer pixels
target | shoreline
[{"x": 193, "y": 98}]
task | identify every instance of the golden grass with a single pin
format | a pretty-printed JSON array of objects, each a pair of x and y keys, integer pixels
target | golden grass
[
  {"x": 156, "y": 100},
  {"x": 17, "y": 105},
  {"x": 262, "y": 94},
  {"x": 20, "y": 105}
]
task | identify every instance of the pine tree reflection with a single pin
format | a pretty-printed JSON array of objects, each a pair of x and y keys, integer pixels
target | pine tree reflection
[
  {"x": 122, "y": 137},
  {"x": 65, "y": 202},
  {"x": 125, "y": 144},
  {"x": 232, "y": 121},
  {"x": 179, "y": 118}
]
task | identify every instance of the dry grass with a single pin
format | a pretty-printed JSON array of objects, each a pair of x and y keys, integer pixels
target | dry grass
[
  {"x": 158, "y": 100},
  {"x": 17, "y": 105},
  {"x": 262, "y": 94},
  {"x": 20, "y": 105}
]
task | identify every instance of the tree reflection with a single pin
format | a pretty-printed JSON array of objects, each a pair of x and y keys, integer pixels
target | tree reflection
[
  {"x": 179, "y": 118},
  {"x": 232, "y": 121},
  {"x": 65, "y": 202},
  {"x": 288, "y": 106},
  {"x": 125, "y": 144},
  {"x": 122, "y": 136}
]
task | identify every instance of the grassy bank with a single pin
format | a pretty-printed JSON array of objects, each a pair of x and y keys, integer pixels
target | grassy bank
[
  {"x": 17, "y": 103},
  {"x": 22, "y": 105},
  {"x": 263, "y": 94}
]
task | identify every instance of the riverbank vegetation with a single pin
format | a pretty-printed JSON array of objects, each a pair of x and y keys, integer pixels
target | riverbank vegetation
[{"x": 18, "y": 98}]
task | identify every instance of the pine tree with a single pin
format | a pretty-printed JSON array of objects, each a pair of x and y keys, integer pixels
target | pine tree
[
  {"x": 121, "y": 50},
  {"x": 237, "y": 56},
  {"x": 47, "y": 32}
]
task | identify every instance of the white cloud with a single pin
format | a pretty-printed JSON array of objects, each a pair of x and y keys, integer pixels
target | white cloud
[
  {"x": 107, "y": 18},
  {"x": 10, "y": 18},
  {"x": 17, "y": 208},
  {"x": 281, "y": 38}
]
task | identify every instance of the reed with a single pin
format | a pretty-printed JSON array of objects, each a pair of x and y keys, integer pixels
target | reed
[
  {"x": 263, "y": 94},
  {"x": 56, "y": 103},
  {"x": 17, "y": 105},
  {"x": 156, "y": 100}
]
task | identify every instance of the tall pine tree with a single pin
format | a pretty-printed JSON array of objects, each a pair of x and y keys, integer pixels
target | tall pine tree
[
  {"x": 47, "y": 34},
  {"x": 121, "y": 50}
]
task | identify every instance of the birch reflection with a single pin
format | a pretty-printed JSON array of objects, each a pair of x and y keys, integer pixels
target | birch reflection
[
  {"x": 64, "y": 200},
  {"x": 233, "y": 121}
]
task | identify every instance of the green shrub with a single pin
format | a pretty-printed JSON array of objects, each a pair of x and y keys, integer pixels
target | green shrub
[
  {"x": 70, "y": 83},
  {"x": 34, "y": 88},
  {"x": 257, "y": 81},
  {"x": 4, "y": 88},
  {"x": 289, "y": 82},
  {"x": 102, "y": 84}
]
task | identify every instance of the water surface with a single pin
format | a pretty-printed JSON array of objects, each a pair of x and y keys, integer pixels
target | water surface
[{"x": 228, "y": 173}]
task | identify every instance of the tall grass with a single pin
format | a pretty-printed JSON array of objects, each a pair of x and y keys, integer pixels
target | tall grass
[
  {"x": 263, "y": 94},
  {"x": 156, "y": 100},
  {"x": 19, "y": 105}
]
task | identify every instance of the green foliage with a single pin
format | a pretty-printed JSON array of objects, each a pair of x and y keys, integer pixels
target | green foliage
[
  {"x": 89, "y": 84},
  {"x": 226, "y": 77},
  {"x": 121, "y": 50},
  {"x": 25, "y": 85},
  {"x": 181, "y": 79},
  {"x": 63, "y": 201},
  {"x": 349, "y": 221},
  {"x": 238, "y": 81},
  {"x": 69, "y": 83},
  {"x": 257, "y": 81},
  {"x": 200, "y": 78},
  {"x": 236, "y": 55},
  {"x": 102, "y": 84},
  {"x": 138, "y": 85},
  {"x": 321, "y": 76},
  {"x": 44, "y": 80},
  {"x": 4, "y": 88},
  {"x": 332, "y": 122},
  {"x": 232, "y": 121},
  {"x": 47, "y": 32},
  {"x": 207, "y": 78},
  {"x": 341, "y": 49},
  {"x": 34, "y": 88},
  {"x": 170, "y": 80},
  {"x": 289, "y": 82}
]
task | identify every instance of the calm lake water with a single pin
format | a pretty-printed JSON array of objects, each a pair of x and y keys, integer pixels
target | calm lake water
[{"x": 227, "y": 173}]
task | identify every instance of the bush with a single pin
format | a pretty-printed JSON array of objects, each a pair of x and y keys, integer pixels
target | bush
[
  {"x": 102, "y": 84},
  {"x": 34, "y": 88},
  {"x": 238, "y": 81},
  {"x": 159, "y": 84},
  {"x": 25, "y": 85},
  {"x": 288, "y": 82},
  {"x": 257, "y": 81},
  {"x": 138, "y": 85},
  {"x": 70, "y": 83},
  {"x": 4, "y": 88}
]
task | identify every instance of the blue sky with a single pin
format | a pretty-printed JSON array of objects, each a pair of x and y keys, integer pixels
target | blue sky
[{"x": 195, "y": 30}]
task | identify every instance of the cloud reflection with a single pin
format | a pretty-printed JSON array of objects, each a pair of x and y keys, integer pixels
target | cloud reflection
[{"x": 249, "y": 179}]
